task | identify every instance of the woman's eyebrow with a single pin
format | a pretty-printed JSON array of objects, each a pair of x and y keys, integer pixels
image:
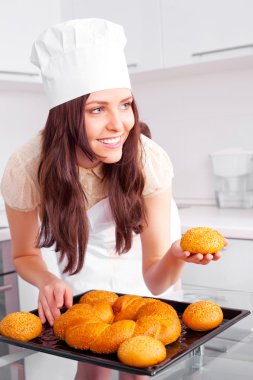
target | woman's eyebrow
[{"x": 105, "y": 102}]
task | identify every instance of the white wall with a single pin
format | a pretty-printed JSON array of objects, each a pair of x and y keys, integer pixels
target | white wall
[
  {"x": 192, "y": 114},
  {"x": 23, "y": 112}
]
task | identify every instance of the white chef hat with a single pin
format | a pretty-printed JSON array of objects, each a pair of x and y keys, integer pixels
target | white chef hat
[{"x": 81, "y": 56}]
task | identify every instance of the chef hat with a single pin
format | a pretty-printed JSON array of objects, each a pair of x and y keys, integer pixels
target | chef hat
[{"x": 81, "y": 56}]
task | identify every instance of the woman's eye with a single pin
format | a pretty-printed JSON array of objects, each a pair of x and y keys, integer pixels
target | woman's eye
[
  {"x": 125, "y": 106},
  {"x": 96, "y": 110}
]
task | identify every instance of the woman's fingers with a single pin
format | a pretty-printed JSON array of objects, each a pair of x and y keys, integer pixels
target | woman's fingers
[
  {"x": 58, "y": 293},
  {"x": 68, "y": 297},
  {"x": 198, "y": 258},
  {"x": 46, "y": 310},
  {"x": 41, "y": 313},
  {"x": 52, "y": 298}
]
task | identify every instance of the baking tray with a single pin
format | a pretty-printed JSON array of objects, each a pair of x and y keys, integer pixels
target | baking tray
[{"x": 189, "y": 340}]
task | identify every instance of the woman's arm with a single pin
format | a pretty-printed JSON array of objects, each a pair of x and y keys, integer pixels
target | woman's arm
[
  {"x": 29, "y": 264},
  {"x": 162, "y": 262}
]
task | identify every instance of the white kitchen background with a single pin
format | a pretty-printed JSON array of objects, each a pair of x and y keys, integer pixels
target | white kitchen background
[
  {"x": 193, "y": 104},
  {"x": 191, "y": 64}
]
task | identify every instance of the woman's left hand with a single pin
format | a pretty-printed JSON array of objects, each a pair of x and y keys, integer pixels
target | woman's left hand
[{"x": 195, "y": 258}]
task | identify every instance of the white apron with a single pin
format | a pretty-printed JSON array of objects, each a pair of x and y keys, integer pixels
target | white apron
[{"x": 103, "y": 268}]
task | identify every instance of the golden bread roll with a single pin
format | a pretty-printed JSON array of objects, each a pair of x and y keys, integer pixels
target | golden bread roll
[
  {"x": 122, "y": 302},
  {"x": 101, "y": 325},
  {"x": 81, "y": 336},
  {"x": 99, "y": 295},
  {"x": 130, "y": 310},
  {"x": 103, "y": 310},
  {"x": 21, "y": 325},
  {"x": 166, "y": 330},
  {"x": 110, "y": 339},
  {"x": 202, "y": 240},
  {"x": 202, "y": 315},
  {"x": 158, "y": 308},
  {"x": 74, "y": 316},
  {"x": 141, "y": 351}
]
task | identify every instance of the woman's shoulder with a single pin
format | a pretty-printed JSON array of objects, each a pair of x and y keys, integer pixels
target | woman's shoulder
[
  {"x": 19, "y": 185},
  {"x": 157, "y": 167},
  {"x": 151, "y": 147},
  {"x": 30, "y": 151}
]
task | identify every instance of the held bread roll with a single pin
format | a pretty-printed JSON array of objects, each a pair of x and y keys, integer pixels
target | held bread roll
[
  {"x": 21, "y": 325},
  {"x": 202, "y": 240},
  {"x": 141, "y": 351},
  {"x": 202, "y": 315}
]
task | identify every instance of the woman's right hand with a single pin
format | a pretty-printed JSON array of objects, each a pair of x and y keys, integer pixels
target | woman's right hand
[{"x": 53, "y": 295}]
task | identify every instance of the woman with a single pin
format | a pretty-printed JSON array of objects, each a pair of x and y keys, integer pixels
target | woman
[{"x": 88, "y": 183}]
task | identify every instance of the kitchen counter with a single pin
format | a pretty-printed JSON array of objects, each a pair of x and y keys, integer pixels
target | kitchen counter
[
  {"x": 228, "y": 355},
  {"x": 231, "y": 223}
]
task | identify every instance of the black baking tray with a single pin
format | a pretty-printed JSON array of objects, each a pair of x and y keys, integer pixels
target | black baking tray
[{"x": 189, "y": 340}]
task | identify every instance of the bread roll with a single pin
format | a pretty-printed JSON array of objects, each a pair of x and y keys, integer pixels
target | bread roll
[
  {"x": 130, "y": 310},
  {"x": 141, "y": 351},
  {"x": 99, "y": 295},
  {"x": 158, "y": 308},
  {"x": 110, "y": 339},
  {"x": 81, "y": 336},
  {"x": 202, "y": 315},
  {"x": 122, "y": 302},
  {"x": 62, "y": 323},
  {"x": 202, "y": 240},
  {"x": 166, "y": 330},
  {"x": 21, "y": 325}
]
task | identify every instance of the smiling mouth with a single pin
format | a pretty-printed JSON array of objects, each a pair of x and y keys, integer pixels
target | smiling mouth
[{"x": 110, "y": 141}]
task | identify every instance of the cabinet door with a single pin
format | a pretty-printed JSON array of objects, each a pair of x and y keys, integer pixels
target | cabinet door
[
  {"x": 141, "y": 21},
  {"x": 233, "y": 271},
  {"x": 197, "y": 30},
  {"x": 21, "y": 21}
]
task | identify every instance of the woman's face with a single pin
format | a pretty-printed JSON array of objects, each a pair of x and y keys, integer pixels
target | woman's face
[{"x": 108, "y": 120}]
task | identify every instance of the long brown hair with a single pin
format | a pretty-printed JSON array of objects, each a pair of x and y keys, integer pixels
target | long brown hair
[{"x": 64, "y": 220}]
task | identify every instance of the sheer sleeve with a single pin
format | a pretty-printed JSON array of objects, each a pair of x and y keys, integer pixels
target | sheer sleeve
[
  {"x": 17, "y": 186},
  {"x": 158, "y": 169}
]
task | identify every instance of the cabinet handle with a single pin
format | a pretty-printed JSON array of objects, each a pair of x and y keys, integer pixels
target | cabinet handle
[
  {"x": 130, "y": 65},
  {"x": 19, "y": 73},
  {"x": 4, "y": 288},
  {"x": 199, "y": 54}
]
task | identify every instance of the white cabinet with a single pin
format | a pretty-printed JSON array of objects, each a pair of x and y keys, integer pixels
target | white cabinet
[
  {"x": 233, "y": 271},
  {"x": 196, "y": 30},
  {"x": 141, "y": 21},
  {"x": 21, "y": 21}
]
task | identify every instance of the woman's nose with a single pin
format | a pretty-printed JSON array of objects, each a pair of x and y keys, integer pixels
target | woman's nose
[{"x": 115, "y": 122}]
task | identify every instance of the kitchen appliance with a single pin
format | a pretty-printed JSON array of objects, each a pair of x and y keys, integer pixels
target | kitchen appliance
[{"x": 233, "y": 173}]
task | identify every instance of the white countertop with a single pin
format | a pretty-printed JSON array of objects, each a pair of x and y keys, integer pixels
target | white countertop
[{"x": 231, "y": 223}]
